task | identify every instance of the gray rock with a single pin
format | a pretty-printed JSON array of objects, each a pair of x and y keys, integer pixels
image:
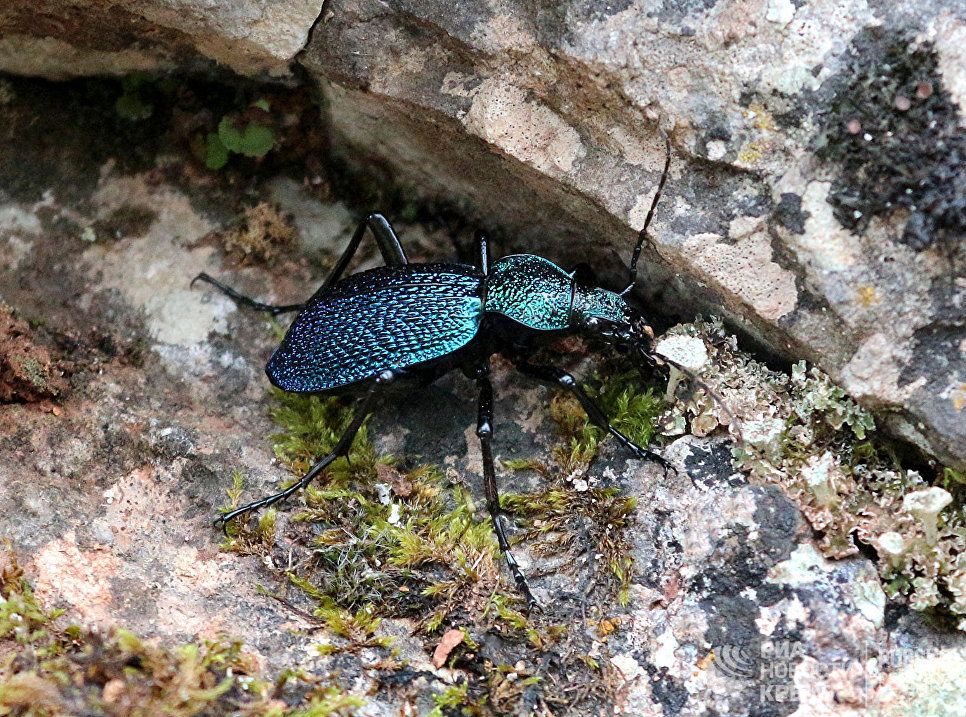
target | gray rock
[
  {"x": 816, "y": 198},
  {"x": 108, "y": 498},
  {"x": 58, "y": 39},
  {"x": 542, "y": 121}
]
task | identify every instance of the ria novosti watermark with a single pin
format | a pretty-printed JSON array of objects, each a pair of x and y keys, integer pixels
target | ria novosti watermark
[{"x": 771, "y": 665}]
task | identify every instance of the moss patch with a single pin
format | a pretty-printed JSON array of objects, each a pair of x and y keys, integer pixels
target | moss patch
[
  {"x": 48, "y": 668},
  {"x": 378, "y": 539}
]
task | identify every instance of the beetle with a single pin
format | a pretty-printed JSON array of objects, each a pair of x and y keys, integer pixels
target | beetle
[{"x": 403, "y": 323}]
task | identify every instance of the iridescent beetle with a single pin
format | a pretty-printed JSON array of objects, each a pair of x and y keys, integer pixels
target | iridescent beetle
[{"x": 415, "y": 322}]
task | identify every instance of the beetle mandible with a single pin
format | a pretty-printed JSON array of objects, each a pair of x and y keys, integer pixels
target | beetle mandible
[{"x": 407, "y": 322}]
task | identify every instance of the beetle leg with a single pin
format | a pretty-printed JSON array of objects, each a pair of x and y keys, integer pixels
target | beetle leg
[
  {"x": 552, "y": 374},
  {"x": 273, "y": 309},
  {"x": 484, "y": 430},
  {"x": 389, "y": 246},
  {"x": 341, "y": 449}
]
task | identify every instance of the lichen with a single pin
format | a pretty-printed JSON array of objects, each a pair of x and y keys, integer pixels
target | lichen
[
  {"x": 893, "y": 130},
  {"x": 804, "y": 434},
  {"x": 50, "y": 668}
]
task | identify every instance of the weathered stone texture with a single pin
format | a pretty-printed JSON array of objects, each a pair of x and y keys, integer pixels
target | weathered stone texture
[
  {"x": 108, "y": 494},
  {"x": 58, "y": 39},
  {"x": 542, "y": 120}
]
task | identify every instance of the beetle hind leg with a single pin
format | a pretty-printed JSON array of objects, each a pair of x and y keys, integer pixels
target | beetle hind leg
[
  {"x": 340, "y": 450},
  {"x": 273, "y": 309},
  {"x": 484, "y": 430}
]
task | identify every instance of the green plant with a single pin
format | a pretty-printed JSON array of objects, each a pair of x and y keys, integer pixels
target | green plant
[
  {"x": 53, "y": 669},
  {"x": 246, "y": 136}
]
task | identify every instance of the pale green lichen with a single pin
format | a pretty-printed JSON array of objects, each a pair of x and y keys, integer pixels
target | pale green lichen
[{"x": 803, "y": 433}]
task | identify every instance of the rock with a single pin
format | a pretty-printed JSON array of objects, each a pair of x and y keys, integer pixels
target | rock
[
  {"x": 730, "y": 604},
  {"x": 58, "y": 39},
  {"x": 815, "y": 203},
  {"x": 787, "y": 210},
  {"x": 741, "y": 614}
]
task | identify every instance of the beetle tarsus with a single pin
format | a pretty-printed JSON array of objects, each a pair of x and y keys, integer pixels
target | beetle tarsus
[{"x": 661, "y": 461}]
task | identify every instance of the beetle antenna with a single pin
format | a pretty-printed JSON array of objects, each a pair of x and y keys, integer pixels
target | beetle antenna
[{"x": 642, "y": 236}]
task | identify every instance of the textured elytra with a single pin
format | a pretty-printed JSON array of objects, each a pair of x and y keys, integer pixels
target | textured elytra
[
  {"x": 531, "y": 290},
  {"x": 385, "y": 318}
]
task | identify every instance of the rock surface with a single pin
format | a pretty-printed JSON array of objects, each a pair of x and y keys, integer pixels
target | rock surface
[
  {"x": 816, "y": 198},
  {"x": 787, "y": 209},
  {"x": 107, "y": 495},
  {"x": 58, "y": 39}
]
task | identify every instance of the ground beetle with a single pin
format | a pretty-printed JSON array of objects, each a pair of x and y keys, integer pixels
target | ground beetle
[{"x": 404, "y": 323}]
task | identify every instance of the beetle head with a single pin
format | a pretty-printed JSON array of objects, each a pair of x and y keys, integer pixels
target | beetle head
[{"x": 607, "y": 315}]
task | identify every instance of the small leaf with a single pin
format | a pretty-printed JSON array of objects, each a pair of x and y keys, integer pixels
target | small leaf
[
  {"x": 262, "y": 104},
  {"x": 131, "y": 107},
  {"x": 254, "y": 141},
  {"x": 216, "y": 154}
]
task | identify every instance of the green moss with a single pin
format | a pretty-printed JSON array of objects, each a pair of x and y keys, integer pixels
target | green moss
[
  {"x": 48, "y": 669},
  {"x": 448, "y": 701},
  {"x": 374, "y": 540},
  {"x": 357, "y": 629},
  {"x": 631, "y": 410},
  {"x": 555, "y": 520},
  {"x": 383, "y": 541},
  {"x": 327, "y": 702},
  {"x": 555, "y": 517},
  {"x": 309, "y": 427}
]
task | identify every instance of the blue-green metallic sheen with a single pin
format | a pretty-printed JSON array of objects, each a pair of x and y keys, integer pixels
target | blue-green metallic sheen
[
  {"x": 530, "y": 290},
  {"x": 397, "y": 317},
  {"x": 377, "y": 320},
  {"x": 591, "y": 302}
]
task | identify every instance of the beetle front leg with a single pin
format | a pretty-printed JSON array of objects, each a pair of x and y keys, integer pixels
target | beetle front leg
[
  {"x": 552, "y": 374},
  {"x": 341, "y": 449},
  {"x": 484, "y": 430}
]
